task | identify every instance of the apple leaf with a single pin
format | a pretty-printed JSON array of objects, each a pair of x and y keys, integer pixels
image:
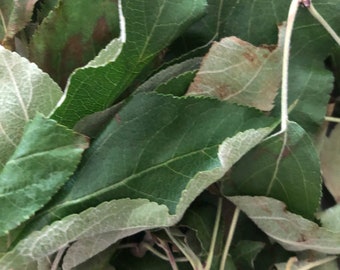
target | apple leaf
[
  {"x": 241, "y": 73},
  {"x": 37, "y": 169},
  {"x": 25, "y": 90},
  {"x": 288, "y": 171},
  {"x": 150, "y": 27},
  {"x": 291, "y": 231}
]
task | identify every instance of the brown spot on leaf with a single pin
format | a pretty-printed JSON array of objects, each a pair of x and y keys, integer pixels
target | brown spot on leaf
[
  {"x": 251, "y": 57},
  {"x": 101, "y": 32},
  {"x": 269, "y": 47}
]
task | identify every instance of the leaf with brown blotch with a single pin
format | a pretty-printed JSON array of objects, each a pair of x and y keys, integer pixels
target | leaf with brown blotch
[{"x": 236, "y": 71}]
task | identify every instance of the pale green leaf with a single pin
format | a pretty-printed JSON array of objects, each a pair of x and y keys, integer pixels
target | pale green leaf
[
  {"x": 330, "y": 218},
  {"x": 37, "y": 169},
  {"x": 291, "y": 231},
  {"x": 150, "y": 27},
  {"x": 14, "y": 15},
  {"x": 87, "y": 248},
  {"x": 24, "y": 91},
  {"x": 288, "y": 171},
  {"x": 133, "y": 157},
  {"x": 241, "y": 73}
]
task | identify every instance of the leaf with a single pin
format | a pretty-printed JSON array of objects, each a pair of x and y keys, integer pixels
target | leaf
[
  {"x": 25, "y": 90},
  {"x": 37, "y": 169},
  {"x": 87, "y": 249},
  {"x": 14, "y": 16},
  {"x": 292, "y": 176},
  {"x": 140, "y": 148},
  {"x": 330, "y": 158},
  {"x": 236, "y": 71},
  {"x": 93, "y": 90},
  {"x": 309, "y": 81},
  {"x": 330, "y": 218},
  {"x": 72, "y": 34},
  {"x": 291, "y": 231},
  {"x": 161, "y": 80},
  {"x": 245, "y": 252},
  {"x": 146, "y": 147}
]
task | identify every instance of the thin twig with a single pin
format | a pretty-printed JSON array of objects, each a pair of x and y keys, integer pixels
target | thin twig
[
  {"x": 214, "y": 236},
  {"x": 285, "y": 63},
  {"x": 323, "y": 22},
  {"x": 290, "y": 263},
  {"x": 230, "y": 238},
  {"x": 332, "y": 119}
]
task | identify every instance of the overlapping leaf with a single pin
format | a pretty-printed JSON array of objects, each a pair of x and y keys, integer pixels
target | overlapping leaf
[
  {"x": 291, "y": 231},
  {"x": 236, "y": 71},
  {"x": 37, "y": 169},
  {"x": 150, "y": 27},
  {"x": 13, "y": 17},
  {"x": 72, "y": 35},
  {"x": 309, "y": 81},
  {"x": 25, "y": 90},
  {"x": 135, "y": 156},
  {"x": 288, "y": 171}
]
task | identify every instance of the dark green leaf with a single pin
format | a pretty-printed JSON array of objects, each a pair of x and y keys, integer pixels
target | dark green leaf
[
  {"x": 245, "y": 252},
  {"x": 37, "y": 169},
  {"x": 72, "y": 35},
  {"x": 150, "y": 27},
  {"x": 147, "y": 152},
  {"x": 309, "y": 81},
  {"x": 286, "y": 171}
]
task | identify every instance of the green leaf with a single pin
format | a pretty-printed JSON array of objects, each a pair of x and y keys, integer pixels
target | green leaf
[
  {"x": 288, "y": 171},
  {"x": 150, "y": 27},
  {"x": 241, "y": 73},
  {"x": 72, "y": 34},
  {"x": 154, "y": 151},
  {"x": 13, "y": 17},
  {"x": 172, "y": 78},
  {"x": 135, "y": 156},
  {"x": 37, "y": 169},
  {"x": 245, "y": 252},
  {"x": 291, "y": 231},
  {"x": 309, "y": 81},
  {"x": 25, "y": 90}
]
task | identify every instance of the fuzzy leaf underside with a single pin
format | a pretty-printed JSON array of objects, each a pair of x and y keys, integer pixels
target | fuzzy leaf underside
[{"x": 24, "y": 91}]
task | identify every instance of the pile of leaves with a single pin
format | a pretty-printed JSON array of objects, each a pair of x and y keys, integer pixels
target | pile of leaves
[{"x": 142, "y": 134}]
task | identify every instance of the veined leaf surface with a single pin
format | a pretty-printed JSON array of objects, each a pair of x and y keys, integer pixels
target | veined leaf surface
[
  {"x": 150, "y": 27},
  {"x": 37, "y": 169},
  {"x": 24, "y": 91},
  {"x": 285, "y": 170}
]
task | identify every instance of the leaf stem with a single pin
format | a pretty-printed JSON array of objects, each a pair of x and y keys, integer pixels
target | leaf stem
[
  {"x": 323, "y": 22},
  {"x": 332, "y": 119},
  {"x": 230, "y": 237},
  {"x": 192, "y": 258},
  {"x": 290, "y": 263},
  {"x": 3, "y": 22},
  {"x": 58, "y": 258},
  {"x": 285, "y": 63},
  {"x": 214, "y": 235}
]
